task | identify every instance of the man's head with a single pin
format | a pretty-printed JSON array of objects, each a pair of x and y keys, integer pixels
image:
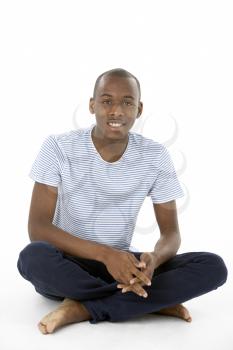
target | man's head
[
  {"x": 117, "y": 72},
  {"x": 116, "y": 98}
]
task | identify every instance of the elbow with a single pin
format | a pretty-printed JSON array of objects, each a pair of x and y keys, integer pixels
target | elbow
[
  {"x": 178, "y": 237},
  {"x": 175, "y": 239},
  {"x": 32, "y": 232},
  {"x": 35, "y": 231}
]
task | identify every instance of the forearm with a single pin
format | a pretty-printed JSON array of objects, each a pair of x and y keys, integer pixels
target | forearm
[
  {"x": 166, "y": 247},
  {"x": 68, "y": 243}
]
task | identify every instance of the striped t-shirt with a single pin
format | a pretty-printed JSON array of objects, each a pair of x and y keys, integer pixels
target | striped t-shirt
[{"x": 99, "y": 200}]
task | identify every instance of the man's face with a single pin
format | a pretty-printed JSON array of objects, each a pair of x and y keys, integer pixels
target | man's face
[{"x": 117, "y": 101}]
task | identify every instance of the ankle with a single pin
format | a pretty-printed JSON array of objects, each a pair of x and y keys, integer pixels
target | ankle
[{"x": 86, "y": 313}]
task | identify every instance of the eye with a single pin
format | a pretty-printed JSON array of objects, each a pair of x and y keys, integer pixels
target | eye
[
  {"x": 128, "y": 103},
  {"x": 107, "y": 102}
]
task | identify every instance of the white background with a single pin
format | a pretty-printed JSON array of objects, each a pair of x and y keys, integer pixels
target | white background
[{"x": 181, "y": 52}]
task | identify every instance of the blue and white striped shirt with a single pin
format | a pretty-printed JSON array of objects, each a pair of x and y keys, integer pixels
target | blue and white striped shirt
[{"x": 99, "y": 200}]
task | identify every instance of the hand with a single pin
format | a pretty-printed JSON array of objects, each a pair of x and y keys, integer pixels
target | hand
[
  {"x": 124, "y": 266},
  {"x": 148, "y": 265}
]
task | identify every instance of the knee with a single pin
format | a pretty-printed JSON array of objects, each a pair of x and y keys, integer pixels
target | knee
[
  {"x": 34, "y": 254},
  {"x": 219, "y": 268}
]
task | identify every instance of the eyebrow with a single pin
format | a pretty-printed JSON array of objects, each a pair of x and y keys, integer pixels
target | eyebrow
[{"x": 108, "y": 95}]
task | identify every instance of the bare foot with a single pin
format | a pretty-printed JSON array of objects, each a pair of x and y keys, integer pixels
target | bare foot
[
  {"x": 177, "y": 310},
  {"x": 70, "y": 311}
]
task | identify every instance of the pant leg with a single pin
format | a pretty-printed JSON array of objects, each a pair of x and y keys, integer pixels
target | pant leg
[
  {"x": 57, "y": 275},
  {"x": 181, "y": 278}
]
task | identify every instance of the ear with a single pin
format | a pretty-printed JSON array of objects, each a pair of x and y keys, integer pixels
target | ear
[
  {"x": 92, "y": 105},
  {"x": 140, "y": 109}
]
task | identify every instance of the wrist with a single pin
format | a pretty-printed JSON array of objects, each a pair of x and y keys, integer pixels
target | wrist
[
  {"x": 155, "y": 258},
  {"x": 104, "y": 254}
]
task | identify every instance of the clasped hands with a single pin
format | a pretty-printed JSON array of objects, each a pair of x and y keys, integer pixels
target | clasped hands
[{"x": 147, "y": 265}]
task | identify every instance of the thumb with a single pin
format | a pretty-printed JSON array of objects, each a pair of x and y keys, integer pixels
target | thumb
[
  {"x": 144, "y": 259},
  {"x": 140, "y": 264}
]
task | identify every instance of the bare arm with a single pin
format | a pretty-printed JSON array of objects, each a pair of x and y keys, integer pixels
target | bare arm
[
  {"x": 170, "y": 240},
  {"x": 40, "y": 227}
]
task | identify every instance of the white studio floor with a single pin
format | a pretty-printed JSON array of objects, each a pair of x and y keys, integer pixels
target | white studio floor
[{"x": 22, "y": 308}]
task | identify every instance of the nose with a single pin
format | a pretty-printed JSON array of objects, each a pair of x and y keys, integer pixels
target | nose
[{"x": 116, "y": 109}]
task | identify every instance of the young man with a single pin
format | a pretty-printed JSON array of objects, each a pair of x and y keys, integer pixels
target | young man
[{"x": 89, "y": 186}]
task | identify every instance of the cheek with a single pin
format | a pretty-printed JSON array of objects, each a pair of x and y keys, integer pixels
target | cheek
[{"x": 101, "y": 111}]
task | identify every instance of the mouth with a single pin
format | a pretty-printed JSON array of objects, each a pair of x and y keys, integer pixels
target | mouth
[{"x": 115, "y": 125}]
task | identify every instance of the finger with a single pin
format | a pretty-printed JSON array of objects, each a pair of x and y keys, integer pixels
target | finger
[
  {"x": 134, "y": 280},
  {"x": 137, "y": 286},
  {"x": 137, "y": 280},
  {"x": 137, "y": 262},
  {"x": 137, "y": 289},
  {"x": 142, "y": 277},
  {"x": 142, "y": 264}
]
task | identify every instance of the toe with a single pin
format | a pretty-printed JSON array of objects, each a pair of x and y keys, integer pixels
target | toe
[
  {"x": 51, "y": 326},
  {"x": 186, "y": 315},
  {"x": 42, "y": 328}
]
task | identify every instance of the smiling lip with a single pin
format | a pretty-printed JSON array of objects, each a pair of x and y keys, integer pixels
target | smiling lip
[
  {"x": 116, "y": 122},
  {"x": 115, "y": 128}
]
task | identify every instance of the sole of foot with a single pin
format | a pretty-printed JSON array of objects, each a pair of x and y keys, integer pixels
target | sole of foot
[
  {"x": 69, "y": 311},
  {"x": 177, "y": 311}
]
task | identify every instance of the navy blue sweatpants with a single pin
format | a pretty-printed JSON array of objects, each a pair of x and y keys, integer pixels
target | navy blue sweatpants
[{"x": 57, "y": 275}]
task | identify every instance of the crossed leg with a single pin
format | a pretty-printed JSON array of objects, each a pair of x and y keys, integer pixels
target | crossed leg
[{"x": 73, "y": 307}]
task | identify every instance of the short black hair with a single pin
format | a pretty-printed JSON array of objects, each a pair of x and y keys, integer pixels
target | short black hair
[{"x": 117, "y": 72}]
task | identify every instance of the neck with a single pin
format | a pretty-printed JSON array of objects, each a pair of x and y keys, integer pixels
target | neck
[
  {"x": 107, "y": 146},
  {"x": 105, "y": 141}
]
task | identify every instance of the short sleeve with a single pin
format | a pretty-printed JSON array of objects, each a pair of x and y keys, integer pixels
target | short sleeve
[
  {"x": 166, "y": 186},
  {"x": 47, "y": 165}
]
